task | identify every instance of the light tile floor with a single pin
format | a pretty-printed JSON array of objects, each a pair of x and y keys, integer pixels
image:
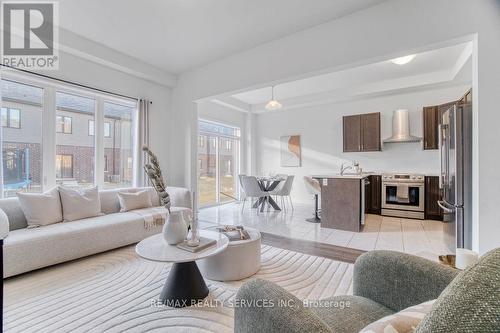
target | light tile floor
[{"x": 419, "y": 237}]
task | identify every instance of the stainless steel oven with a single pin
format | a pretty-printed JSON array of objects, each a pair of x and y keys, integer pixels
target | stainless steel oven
[{"x": 403, "y": 195}]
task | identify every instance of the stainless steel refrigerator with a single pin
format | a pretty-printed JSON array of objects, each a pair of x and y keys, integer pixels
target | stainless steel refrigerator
[{"x": 455, "y": 145}]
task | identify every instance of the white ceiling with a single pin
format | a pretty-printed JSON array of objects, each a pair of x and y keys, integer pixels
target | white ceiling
[
  {"x": 433, "y": 67},
  {"x": 177, "y": 35}
]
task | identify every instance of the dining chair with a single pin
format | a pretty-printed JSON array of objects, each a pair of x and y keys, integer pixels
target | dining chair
[
  {"x": 252, "y": 189},
  {"x": 242, "y": 193},
  {"x": 284, "y": 191},
  {"x": 314, "y": 188}
]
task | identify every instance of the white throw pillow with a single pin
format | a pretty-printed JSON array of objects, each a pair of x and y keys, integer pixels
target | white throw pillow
[
  {"x": 134, "y": 200},
  {"x": 41, "y": 208},
  {"x": 404, "y": 321},
  {"x": 80, "y": 204}
]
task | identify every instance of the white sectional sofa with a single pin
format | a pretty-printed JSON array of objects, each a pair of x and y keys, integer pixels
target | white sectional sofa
[{"x": 26, "y": 249}]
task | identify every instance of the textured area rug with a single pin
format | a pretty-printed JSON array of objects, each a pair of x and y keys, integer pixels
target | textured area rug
[{"x": 116, "y": 292}]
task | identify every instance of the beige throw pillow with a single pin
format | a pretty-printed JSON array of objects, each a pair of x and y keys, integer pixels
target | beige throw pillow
[
  {"x": 404, "y": 321},
  {"x": 79, "y": 204},
  {"x": 41, "y": 208},
  {"x": 135, "y": 200}
]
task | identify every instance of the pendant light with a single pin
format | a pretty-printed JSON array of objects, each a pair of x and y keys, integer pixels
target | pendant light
[{"x": 273, "y": 104}]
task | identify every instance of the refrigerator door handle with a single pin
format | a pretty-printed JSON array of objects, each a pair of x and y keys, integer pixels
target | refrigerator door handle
[
  {"x": 440, "y": 140},
  {"x": 444, "y": 208}
]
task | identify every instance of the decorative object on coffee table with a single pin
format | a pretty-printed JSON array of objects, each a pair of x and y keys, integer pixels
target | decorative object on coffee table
[
  {"x": 239, "y": 260},
  {"x": 234, "y": 233},
  {"x": 203, "y": 243},
  {"x": 175, "y": 229},
  {"x": 155, "y": 176},
  {"x": 184, "y": 285}
]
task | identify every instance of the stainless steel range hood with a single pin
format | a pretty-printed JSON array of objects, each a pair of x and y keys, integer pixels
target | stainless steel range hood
[{"x": 401, "y": 128}]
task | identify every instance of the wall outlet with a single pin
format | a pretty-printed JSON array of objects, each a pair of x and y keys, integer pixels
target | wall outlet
[{"x": 325, "y": 181}]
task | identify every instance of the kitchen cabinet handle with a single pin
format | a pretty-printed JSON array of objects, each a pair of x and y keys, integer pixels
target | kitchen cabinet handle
[{"x": 440, "y": 144}]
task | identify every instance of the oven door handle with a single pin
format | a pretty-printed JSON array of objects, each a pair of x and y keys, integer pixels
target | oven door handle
[
  {"x": 409, "y": 184},
  {"x": 445, "y": 209}
]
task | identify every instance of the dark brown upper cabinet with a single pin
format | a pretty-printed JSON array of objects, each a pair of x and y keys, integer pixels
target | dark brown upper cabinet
[
  {"x": 432, "y": 114},
  {"x": 352, "y": 133},
  {"x": 362, "y": 132},
  {"x": 431, "y": 122}
]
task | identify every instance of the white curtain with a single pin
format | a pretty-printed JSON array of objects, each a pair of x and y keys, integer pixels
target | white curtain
[{"x": 143, "y": 140}]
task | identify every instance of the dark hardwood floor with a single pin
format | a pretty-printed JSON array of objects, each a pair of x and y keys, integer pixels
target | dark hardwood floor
[{"x": 313, "y": 248}]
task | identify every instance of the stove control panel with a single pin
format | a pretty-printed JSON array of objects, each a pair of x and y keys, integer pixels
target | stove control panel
[{"x": 399, "y": 177}]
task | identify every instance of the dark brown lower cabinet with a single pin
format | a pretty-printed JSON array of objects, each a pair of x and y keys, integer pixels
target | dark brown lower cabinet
[
  {"x": 432, "y": 195},
  {"x": 373, "y": 194}
]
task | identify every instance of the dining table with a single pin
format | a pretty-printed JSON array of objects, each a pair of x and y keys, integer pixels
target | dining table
[{"x": 268, "y": 184}]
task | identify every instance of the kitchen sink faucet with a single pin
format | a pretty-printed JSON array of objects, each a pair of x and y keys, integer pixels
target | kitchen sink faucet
[{"x": 344, "y": 168}]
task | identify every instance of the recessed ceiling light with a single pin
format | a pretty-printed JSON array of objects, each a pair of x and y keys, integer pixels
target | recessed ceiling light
[
  {"x": 273, "y": 104},
  {"x": 403, "y": 60}
]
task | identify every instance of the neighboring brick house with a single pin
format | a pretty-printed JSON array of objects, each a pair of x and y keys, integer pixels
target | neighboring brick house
[{"x": 21, "y": 134}]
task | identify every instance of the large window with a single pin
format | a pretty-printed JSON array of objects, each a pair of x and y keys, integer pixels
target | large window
[
  {"x": 118, "y": 144},
  {"x": 218, "y": 163},
  {"x": 21, "y": 145},
  {"x": 77, "y": 163},
  {"x": 70, "y": 136}
]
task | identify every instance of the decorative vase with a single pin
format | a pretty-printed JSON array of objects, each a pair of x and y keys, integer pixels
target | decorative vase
[{"x": 175, "y": 230}]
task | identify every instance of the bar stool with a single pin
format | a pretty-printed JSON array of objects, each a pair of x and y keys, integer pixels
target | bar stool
[{"x": 313, "y": 187}]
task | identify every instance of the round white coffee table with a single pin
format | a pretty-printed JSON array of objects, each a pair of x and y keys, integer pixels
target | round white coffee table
[{"x": 184, "y": 285}]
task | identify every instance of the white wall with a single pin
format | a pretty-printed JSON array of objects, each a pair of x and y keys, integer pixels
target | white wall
[
  {"x": 320, "y": 128},
  {"x": 393, "y": 28}
]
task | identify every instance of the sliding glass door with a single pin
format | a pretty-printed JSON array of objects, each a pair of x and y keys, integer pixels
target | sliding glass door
[{"x": 218, "y": 163}]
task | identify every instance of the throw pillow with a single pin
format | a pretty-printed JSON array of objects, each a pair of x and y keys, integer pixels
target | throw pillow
[
  {"x": 41, "y": 208},
  {"x": 471, "y": 302},
  {"x": 79, "y": 204},
  {"x": 404, "y": 321},
  {"x": 134, "y": 200}
]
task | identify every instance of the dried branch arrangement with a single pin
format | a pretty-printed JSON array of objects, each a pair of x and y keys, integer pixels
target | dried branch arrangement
[{"x": 153, "y": 172}]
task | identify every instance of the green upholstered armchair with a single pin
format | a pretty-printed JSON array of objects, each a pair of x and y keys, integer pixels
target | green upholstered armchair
[{"x": 384, "y": 282}]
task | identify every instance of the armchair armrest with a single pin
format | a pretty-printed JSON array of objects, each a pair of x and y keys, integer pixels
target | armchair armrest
[
  {"x": 180, "y": 197},
  {"x": 262, "y": 306},
  {"x": 4, "y": 225},
  {"x": 398, "y": 280}
]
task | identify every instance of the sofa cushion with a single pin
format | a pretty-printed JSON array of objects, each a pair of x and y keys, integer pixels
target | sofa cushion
[
  {"x": 79, "y": 204},
  {"x": 404, "y": 321},
  {"x": 471, "y": 302},
  {"x": 41, "y": 208},
  {"x": 110, "y": 203},
  {"x": 347, "y": 314},
  {"x": 134, "y": 200},
  {"x": 29, "y": 249},
  {"x": 12, "y": 208}
]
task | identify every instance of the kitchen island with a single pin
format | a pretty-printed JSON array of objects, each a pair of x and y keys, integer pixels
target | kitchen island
[{"x": 342, "y": 201}]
